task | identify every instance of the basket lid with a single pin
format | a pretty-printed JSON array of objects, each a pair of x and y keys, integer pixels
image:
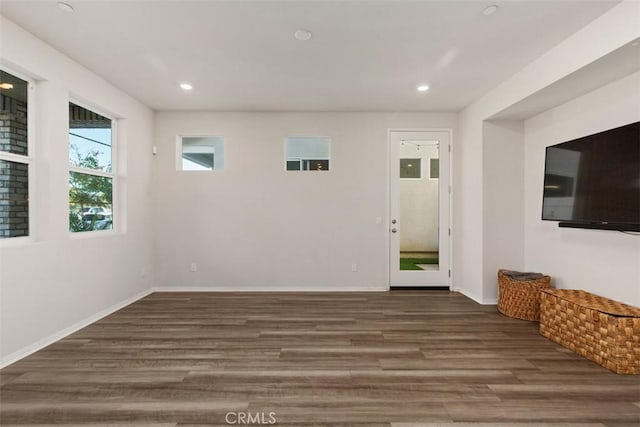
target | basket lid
[{"x": 595, "y": 302}]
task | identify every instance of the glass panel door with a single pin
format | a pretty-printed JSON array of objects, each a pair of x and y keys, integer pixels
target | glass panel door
[{"x": 419, "y": 208}]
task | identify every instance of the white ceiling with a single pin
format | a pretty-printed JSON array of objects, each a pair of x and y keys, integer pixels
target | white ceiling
[{"x": 364, "y": 55}]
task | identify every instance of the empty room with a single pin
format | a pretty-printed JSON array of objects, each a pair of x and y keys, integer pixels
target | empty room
[{"x": 366, "y": 213}]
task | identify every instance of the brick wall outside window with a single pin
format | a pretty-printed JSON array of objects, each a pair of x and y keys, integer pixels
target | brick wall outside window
[{"x": 14, "y": 176}]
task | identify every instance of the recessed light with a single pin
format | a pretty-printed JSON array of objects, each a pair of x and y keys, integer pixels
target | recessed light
[
  {"x": 6, "y": 86},
  {"x": 65, "y": 6},
  {"x": 423, "y": 88},
  {"x": 186, "y": 86},
  {"x": 490, "y": 10},
  {"x": 302, "y": 35}
]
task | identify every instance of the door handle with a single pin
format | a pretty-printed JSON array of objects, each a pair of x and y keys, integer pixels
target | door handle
[{"x": 393, "y": 230}]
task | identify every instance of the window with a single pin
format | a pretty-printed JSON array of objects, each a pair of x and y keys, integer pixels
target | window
[
  {"x": 308, "y": 153},
  {"x": 15, "y": 156},
  {"x": 91, "y": 172},
  {"x": 201, "y": 153},
  {"x": 434, "y": 168},
  {"x": 411, "y": 168}
]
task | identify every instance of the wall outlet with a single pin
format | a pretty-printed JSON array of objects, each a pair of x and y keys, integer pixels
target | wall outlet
[
  {"x": 194, "y": 266},
  {"x": 354, "y": 267}
]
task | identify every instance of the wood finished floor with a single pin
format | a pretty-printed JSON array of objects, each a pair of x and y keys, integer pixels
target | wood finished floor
[{"x": 400, "y": 359}]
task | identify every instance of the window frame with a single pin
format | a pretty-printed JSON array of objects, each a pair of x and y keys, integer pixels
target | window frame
[
  {"x": 113, "y": 175},
  {"x": 179, "y": 138},
  {"x": 302, "y": 159},
  {"x": 29, "y": 160}
]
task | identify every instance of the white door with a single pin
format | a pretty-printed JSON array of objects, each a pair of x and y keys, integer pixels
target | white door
[{"x": 419, "y": 193}]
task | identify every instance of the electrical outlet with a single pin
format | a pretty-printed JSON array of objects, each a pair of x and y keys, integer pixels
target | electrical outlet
[
  {"x": 194, "y": 266},
  {"x": 354, "y": 267}
]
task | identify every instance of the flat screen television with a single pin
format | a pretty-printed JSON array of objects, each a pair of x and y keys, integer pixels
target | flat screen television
[{"x": 594, "y": 181}]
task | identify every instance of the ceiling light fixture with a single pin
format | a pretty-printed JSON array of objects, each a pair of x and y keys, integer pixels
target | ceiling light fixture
[
  {"x": 186, "y": 86},
  {"x": 6, "y": 86},
  {"x": 423, "y": 88},
  {"x": 490, "y": 10},
  {"x": 302, "y": 35},
  {"x": 65, "y": 7}
]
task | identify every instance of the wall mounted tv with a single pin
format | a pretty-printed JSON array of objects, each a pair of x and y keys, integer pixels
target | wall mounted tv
[{"x": 594, "y": 181}]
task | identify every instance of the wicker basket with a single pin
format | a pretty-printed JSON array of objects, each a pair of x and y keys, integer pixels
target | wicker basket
[
  {"x": 602, "y": 330},
  {"x": 521, "y": 298}
]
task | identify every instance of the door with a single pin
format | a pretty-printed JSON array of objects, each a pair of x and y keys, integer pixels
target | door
[{"x": 419, "y": 203}]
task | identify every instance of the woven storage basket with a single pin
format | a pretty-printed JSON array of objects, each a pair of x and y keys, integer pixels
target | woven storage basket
[
  {"x": 520, "y": 298},
  {"x": 602, "y": 330}
]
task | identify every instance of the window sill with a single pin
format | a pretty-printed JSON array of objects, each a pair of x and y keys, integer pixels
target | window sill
[{"x": 81, "y": 235}]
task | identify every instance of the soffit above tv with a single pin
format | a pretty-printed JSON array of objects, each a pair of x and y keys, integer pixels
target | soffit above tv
[{"x": 614, "y": 66}]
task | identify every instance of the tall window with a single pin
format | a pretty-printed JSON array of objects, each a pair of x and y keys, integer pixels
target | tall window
[
  {"x": 15, "y": 158},
  {"x": 90, "y": 170}
]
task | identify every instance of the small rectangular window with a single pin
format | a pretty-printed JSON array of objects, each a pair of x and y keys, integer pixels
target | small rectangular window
[
  {"x": 91, "y": 173},
  {"x": 201, "y": 153},
  {"x": 308, "y": 153},
  {"x": 15, "y": 159},
  {"x": 411, "y": 168},
  {"x": 434, "y": 168}
]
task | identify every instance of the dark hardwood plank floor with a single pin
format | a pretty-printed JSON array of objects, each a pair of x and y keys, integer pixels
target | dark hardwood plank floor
[{"x": 399, "y": 359}]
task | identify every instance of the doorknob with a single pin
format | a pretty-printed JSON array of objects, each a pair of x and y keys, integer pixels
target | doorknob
[
  {"x": 393, "y": 230},
  {"x": 393, "y": 221}
]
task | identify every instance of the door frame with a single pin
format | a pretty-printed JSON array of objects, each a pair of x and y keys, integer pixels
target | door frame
[{"x": 449, "y": 131}]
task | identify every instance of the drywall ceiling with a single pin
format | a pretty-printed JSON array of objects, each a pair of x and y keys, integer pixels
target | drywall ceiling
[{"x": 363, "y": 55}]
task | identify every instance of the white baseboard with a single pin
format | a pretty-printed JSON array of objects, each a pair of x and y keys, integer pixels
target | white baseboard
[
  {"x": 477, "y": 298},
  {"x": 470, "y": 295},
  {"x": 40, "y": 344},
  {"x": 223, "y": 288}
]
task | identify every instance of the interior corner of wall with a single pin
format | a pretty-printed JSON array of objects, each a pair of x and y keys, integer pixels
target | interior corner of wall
[{"x": 469, "y": 294}]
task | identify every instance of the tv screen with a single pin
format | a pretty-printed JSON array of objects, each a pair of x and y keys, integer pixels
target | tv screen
[{"x": 595, "y": 180}]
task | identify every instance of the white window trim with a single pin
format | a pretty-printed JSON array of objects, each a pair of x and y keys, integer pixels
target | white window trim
[
  {"x": 113, "y": 175},
  {"x": 287, "y": 158},
  {"x": 29, "y": 160},
  {"x": 179, "y": 152}
]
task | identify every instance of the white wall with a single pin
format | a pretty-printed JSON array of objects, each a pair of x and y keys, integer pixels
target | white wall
[
  {"x": 473, "y": 256},
  {"x": 255, "y": 225},
  {"x": 603, "y": 262},
  {"x": 56, "y": 282},
  {"x": 503, "y": 201}
]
